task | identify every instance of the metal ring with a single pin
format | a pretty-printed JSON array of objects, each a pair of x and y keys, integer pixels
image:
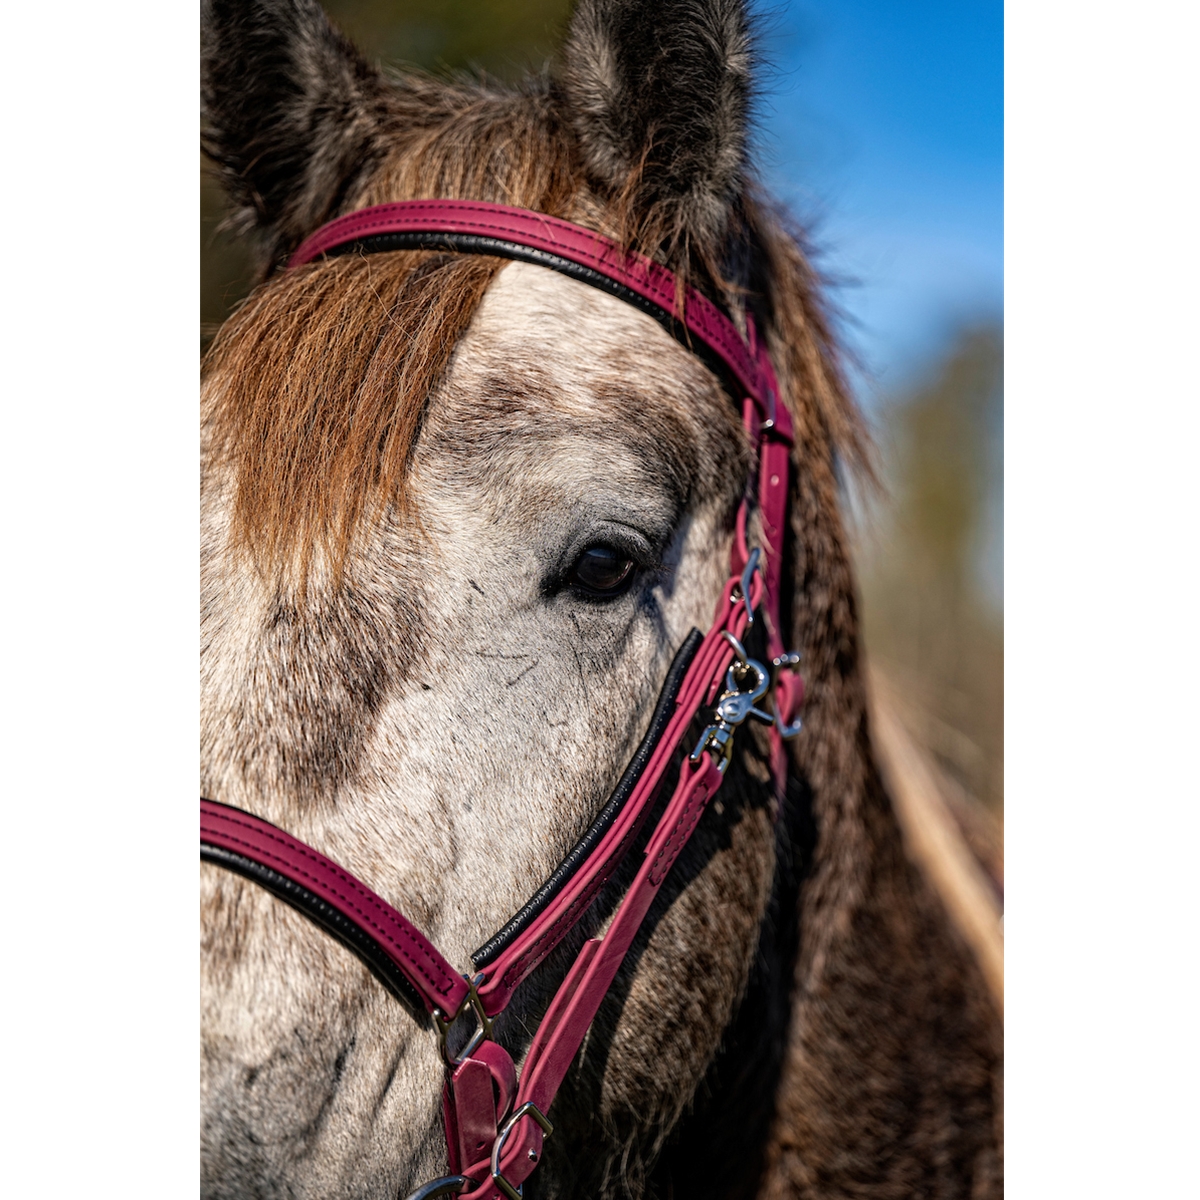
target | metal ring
[
  {"x": 444, "y": 1024},
  {"x": 528, "y": 1109},
  {"x": 441, "y": 1187},
  {"x": 789, "y": 661}
]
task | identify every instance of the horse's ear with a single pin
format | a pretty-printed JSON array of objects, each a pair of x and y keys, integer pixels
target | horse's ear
[
  {"x": 659, "y": 94},
  {"x": 292, "y": 114}
]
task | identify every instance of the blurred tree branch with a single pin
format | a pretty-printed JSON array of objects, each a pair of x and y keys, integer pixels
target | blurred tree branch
[{"x": 929, "y": 620}]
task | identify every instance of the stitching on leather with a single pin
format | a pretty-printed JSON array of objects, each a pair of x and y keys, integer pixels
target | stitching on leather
[
  {"x": 587, "y": 895},
  {"x": 375, "y": 901},
  {"x": 664, "y": 722},
  {"x": 695, "y": 806},
  {"x": 584, "y": 898},
  {"x": 386, "y": 936},
  {"x": 711, "y": 327},
  {"x": 589, "y": 892}
]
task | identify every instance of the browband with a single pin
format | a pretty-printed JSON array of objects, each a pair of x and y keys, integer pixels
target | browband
[
  {"x": 473, "y": 227},
  {"x": 495, "y": 1126}
]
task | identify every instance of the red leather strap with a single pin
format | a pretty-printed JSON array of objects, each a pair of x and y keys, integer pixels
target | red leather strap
[
  {"x": 575, "y": 244},
  {"x": 435, "y": 980},
  {"x": 479, "y": 1094},
  {"x": 574, "y": 1007}
]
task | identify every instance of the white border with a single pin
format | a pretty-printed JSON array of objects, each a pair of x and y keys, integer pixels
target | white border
[
  {"x": 1101, "y": 611},
  {"x": 99, "y": 295}
]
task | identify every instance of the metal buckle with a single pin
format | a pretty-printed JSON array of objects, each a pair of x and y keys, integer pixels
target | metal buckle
[
  {"x": 734, "y": 705},
  {"x": 528, "y": 1109},
  {"x": 444, "y": 1024},
  {"x": 791, "y": 660}
]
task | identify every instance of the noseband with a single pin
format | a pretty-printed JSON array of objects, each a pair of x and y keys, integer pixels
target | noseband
[{"x": 495, "y": 1123}]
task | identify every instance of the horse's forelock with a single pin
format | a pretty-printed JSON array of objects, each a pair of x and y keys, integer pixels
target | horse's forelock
[
  {"x": 318, "y": 389},
  {"x": 320, "y": 381}
]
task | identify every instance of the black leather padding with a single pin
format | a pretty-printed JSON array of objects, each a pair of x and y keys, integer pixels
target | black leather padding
[
  {"x": 328, "y": 918},
  {"x": 579, "y": 853}
]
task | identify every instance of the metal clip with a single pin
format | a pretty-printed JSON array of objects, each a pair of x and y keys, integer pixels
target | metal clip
[
  {"x": 734, "y": 705},
  {"x": 744, "y": 586},
  {"x": 528, "y": 1109},
  {"x": 444, "y": 1024}
]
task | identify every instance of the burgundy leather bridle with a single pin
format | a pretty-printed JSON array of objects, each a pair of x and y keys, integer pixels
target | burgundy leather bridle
[{"x": 495, "y": 1123}]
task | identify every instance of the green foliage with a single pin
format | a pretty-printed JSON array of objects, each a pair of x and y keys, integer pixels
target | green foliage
[
  {"x": 225, "y": 267},
  {"x": 946, "y": 465}
]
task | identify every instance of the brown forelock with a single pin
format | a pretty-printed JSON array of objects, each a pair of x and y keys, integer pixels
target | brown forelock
[{"x": 320, "y": 382}]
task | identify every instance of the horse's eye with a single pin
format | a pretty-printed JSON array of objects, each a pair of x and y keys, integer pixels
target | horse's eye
[{"x": 602, "y": 571}]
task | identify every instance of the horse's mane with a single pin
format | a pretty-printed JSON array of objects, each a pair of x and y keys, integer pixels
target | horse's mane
[{"x": 318, "y": 382}]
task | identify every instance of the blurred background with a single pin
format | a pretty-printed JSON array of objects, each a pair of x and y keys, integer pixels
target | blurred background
[{"x": 881, "y": 126}]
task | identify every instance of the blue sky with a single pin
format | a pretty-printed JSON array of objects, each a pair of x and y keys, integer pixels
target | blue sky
[{"x": 882, "y": 127}]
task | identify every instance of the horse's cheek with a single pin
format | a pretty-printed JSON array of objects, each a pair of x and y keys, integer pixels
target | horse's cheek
[{"x": 298, "y": 1041}]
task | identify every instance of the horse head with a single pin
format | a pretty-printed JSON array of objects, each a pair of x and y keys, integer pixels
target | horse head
[{"x": 458, "y": 516}]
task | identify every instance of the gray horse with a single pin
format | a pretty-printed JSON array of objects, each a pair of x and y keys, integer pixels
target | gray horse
[{"x": 458, "y": 515}]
